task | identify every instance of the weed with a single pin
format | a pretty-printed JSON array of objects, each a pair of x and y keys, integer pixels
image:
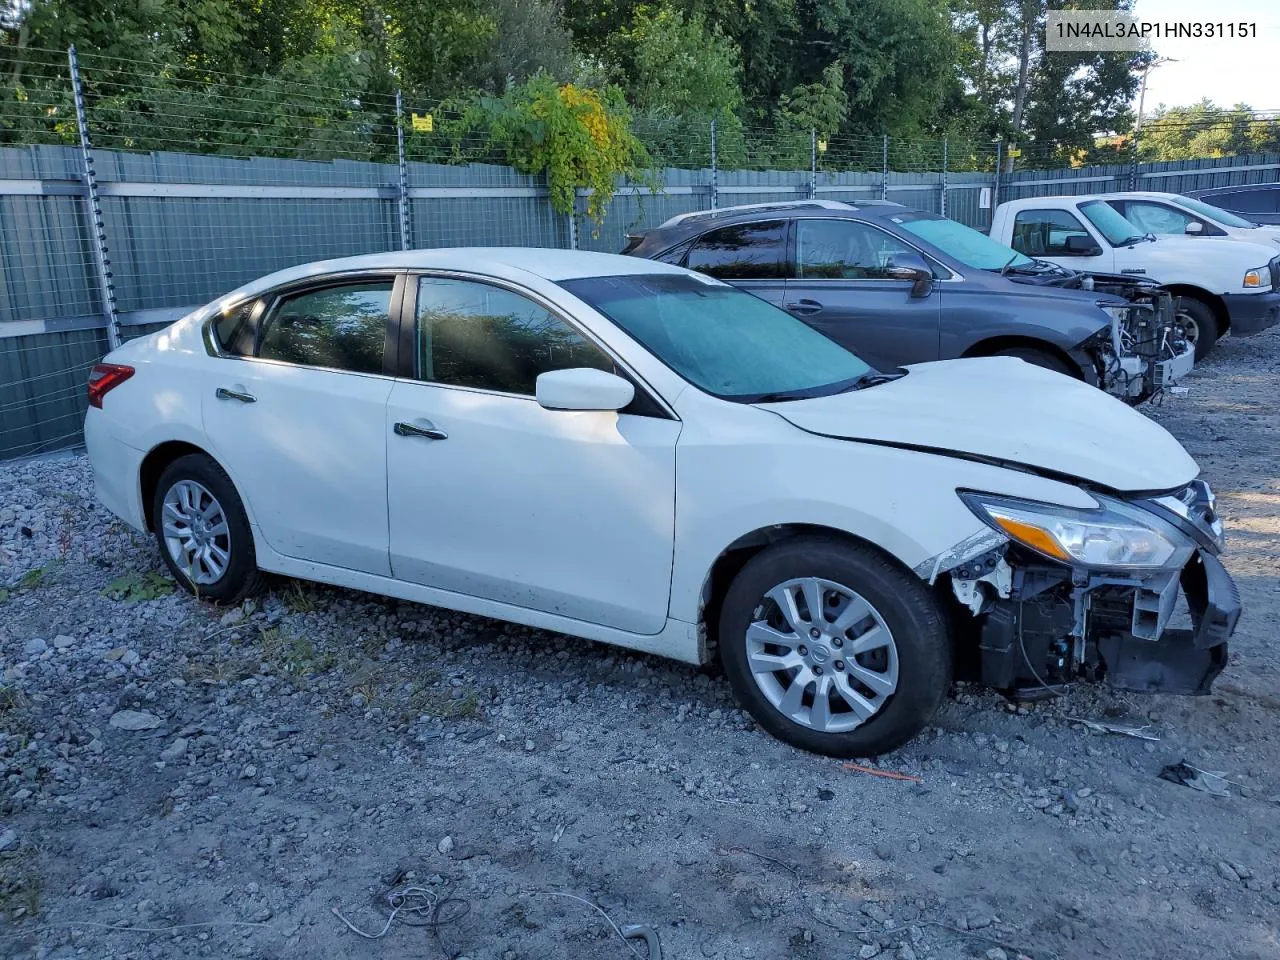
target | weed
[
  {"x": 293, "y": 656},
  {"x": 134, "y": 587},
  {"x": 300, "y": 600},
  {"x": 15, "y": 720},
  {"x": 4, "y": 595},
  {"x": 434, "y": 701},
  {"x": 20, "y": 885},
  {"x": 34, "y": 578}
]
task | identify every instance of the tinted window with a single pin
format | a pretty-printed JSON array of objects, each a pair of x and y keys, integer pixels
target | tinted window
[
  {"x": 233, "y": 331},
  {"x": 342, "y": 327},
  {"x": 1246, "y": 201},
  {"x": 745, "y": 251},
  {"x": 720, "y": 338},
  {"x": 1043, "y": 233},
  {"x": 844, "y": 250},
  {"x": 1156, "y": 217},
  {"x": 1216, "y": 214},
  {"x": 477, "y": 335}
]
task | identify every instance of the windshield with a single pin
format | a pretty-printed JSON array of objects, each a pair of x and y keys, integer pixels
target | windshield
[
  {"x": 1114, "y": 227},
  {"x": 721, "y": 339},
  {"x": 1216, "y": 214},
  {"x": 967, "y": 245}
]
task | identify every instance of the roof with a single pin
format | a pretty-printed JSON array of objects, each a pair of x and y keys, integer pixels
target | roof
[
  {"x": 1140, "y": 195},
  {"x": 511, "y": 263}
]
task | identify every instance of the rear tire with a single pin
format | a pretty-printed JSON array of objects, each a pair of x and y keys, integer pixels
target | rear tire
[
  {"x": 203, "y": 531},
  {"x": 879, "y": 651},
  {"x": 1040, "y": 358},
  {"x": 1199, "y": 324}
]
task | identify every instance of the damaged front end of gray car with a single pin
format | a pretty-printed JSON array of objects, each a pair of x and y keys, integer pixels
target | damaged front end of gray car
[{"x": 1133, "y": 595}]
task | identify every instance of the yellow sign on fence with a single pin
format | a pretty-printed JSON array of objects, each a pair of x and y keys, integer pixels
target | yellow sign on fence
[{"x": 422, "y": 124}]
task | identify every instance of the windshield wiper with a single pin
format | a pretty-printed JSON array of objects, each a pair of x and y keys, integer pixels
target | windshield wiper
[
  {"x": 870, "y": 379},
  {"x": 1008, "y": 263}
]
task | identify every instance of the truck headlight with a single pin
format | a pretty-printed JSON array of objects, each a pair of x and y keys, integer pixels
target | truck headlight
[
  {"x": 1258, "y": 277},
  {"x": 1114, "y": 535}
]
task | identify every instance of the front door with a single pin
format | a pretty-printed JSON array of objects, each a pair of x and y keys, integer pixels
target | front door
[
  {"x": 296, "y": 417},
  {"x": 840, "y": 287},
  {"x": 1061, "y": 237},
  {"x": 492, "y": 495}
]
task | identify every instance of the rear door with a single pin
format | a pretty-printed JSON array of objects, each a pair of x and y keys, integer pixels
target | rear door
[
  {"x": 841, "y": 287},
  {"x": 751, "y": 256},
  {"x": 294, "y": 410}
]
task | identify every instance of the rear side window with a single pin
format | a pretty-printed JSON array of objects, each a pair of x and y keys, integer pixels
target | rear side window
[
  {"x": 341, "y": 327},
  {"x": 1043, "y": 233},
  {"x": 235, "y": 335},
  {"x": 744, "y": 251},
  {"x": 477, "y": 335}
]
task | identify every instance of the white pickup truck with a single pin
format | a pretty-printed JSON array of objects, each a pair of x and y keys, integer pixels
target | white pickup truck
[{"x": 1224, "y": 285}]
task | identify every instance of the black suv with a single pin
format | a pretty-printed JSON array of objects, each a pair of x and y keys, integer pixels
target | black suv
[{"x": 898, "y": 286}]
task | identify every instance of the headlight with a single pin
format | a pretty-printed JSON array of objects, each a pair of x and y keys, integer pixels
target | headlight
[
  {"x": 1258, "y": 277},
  {"x": 1114, "y": 535}
]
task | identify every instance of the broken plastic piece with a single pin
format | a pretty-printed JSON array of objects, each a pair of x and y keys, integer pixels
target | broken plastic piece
[
  {"x": 1206, "y": 781},
  {"x": 1124, "y": 731},
  {"x": 642, "y": 931}
]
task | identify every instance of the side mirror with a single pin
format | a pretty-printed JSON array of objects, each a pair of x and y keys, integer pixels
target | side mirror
[
  {"x": 911, "y": 266},
  {"x": 1194, "y": 228},
  {"x": 1082, "y": 245},
  {"x": 582, "y": 388}
]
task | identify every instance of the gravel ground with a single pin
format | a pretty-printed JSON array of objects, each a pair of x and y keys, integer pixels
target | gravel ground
[{"x": 218, "y": 782}]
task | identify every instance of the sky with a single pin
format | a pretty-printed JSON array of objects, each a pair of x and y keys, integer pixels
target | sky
[{"x": 1226, "y": 71}]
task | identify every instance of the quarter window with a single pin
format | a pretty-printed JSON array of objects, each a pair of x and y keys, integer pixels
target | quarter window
[
  {"x": 844, "y": 250},
  {"x": 1044, "y": 233},
  {"x": 744, "y": 251},
  {"x": 477, "y": 335},
  {"x": 235, "y": 335},
  {"x": 340, "y": 327}
]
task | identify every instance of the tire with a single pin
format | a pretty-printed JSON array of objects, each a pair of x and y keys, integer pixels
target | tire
[
  {"x": 917, "y": 656},
  {"x": 1199, "y": 322},
  {"x": 1040, "y": 358},
  {"x": 190, "y": 486}
]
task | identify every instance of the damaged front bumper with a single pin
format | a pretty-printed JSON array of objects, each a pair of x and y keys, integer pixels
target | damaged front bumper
[{"x": 1037, "y": 625}]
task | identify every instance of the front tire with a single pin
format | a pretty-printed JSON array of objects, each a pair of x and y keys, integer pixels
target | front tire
[
  {"x": 1040, "y": 358},
  {"x": 834, "y": 649},
  {"x": 203, "y": 531}
]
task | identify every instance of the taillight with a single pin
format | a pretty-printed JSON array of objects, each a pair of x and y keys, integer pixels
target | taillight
[{"x": 104, "y": 378}]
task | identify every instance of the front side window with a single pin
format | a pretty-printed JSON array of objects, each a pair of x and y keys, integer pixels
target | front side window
[
  {"x": 744, "y": 251},
  {"x": 845, "y": 250},
  {"x": 721, "y": 339},
  {"x": 1044, "y": 233},
  {"x": 1156, "y": 217},
  {"x": 1110, "y": 223},
  {"x": 478, "y": 335},
  {"x": 340, "y": 327}
]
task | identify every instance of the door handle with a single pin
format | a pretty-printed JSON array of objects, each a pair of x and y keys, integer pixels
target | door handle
[
  {"x": 805, "y": 307},
  {"x": 222, "y": 393},
  {"x": 423, "y": 428}
]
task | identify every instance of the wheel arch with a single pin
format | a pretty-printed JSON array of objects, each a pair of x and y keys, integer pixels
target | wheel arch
[
  {"x": 154, "y": 464},
  {"x": 1210, "y": 300},
  {"x": 994, "y": 345},
  {"x": 735, "y": 556}
]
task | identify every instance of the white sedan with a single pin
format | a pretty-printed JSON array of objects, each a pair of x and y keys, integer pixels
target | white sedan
[{"x": 637, "y": 454}]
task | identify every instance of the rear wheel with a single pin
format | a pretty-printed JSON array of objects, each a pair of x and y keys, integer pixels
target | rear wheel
[
  {"x": 1198, "y": 322},
  {"x": 1040, "y": 358},
  {"x": 833, "y": 649},
  {"x": 203, "y": 531}
]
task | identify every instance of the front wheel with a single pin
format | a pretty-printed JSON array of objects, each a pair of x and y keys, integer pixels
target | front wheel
[
  {"x": 1198, "y": 322},
  {"x": 1040, "y": 358},
  {"x": 203, "y": 531},
  {"x": 834, "y": 649}
]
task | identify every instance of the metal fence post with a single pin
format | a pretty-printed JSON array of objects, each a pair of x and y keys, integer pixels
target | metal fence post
[
  {"x": 943, "y": 204},
  {"x": 813, "y": 163},
  {"x": 995, "y": 186},
  {"x": 97, "y": 226},
  {"x": 715, "y": 172},
  {"x": 884, "y": 169},
  {"x": 573, "y": 230},
  {"x": 403, "y": 198}
]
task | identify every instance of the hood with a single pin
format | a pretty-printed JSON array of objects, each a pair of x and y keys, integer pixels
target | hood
[
  {"x": 1005, "y": 409},
  {"x": 1250, "y": 253},
  {"x": 1264, "y": 232}
]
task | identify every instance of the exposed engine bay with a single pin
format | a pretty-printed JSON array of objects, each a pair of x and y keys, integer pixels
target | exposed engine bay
[
  {"x": 1039, "y": 626},
  {"x": 1144, "y": 351}
]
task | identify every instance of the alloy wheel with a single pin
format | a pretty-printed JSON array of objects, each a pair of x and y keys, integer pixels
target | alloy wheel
[
  {"x": 196, "y": 532},
  {"x": 1189, "y": 325},
  {"x": 821, "y": 654}
]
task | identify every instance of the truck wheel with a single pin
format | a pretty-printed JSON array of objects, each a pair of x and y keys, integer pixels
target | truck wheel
[
  {"x": 1040, "y": 358},
  {"x": 833, "y": 649},
  {"x": 1198, "y": 322}
]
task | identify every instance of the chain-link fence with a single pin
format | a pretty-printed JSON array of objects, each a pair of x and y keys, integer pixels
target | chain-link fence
[{"x": 131, "y": 193}]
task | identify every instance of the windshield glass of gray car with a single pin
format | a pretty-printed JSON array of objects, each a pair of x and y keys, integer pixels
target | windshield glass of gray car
[
  {"x": 967, "y": 245},
  {"x": 721, "y": 339}
]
